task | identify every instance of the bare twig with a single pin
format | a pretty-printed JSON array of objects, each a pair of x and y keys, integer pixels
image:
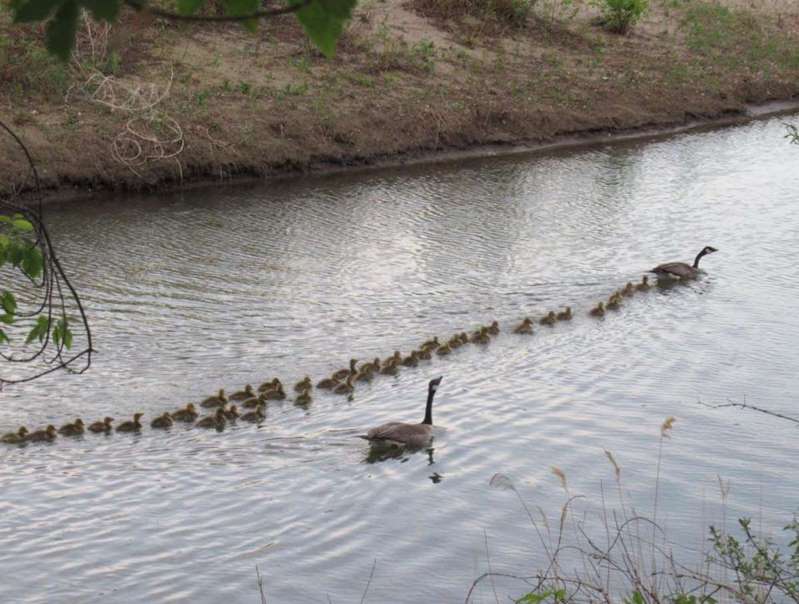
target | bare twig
[
  {"x": 260, "y": 582},
  {"x": 751, "y": 407}
]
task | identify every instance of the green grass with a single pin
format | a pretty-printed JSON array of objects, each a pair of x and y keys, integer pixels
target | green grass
[{"x": 736, "y": 38}]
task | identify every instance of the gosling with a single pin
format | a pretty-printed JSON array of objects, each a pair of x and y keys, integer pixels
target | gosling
[
  {"x": 131, "y": 426},
  {"x": 565, "y": 315},
  {"x": 46, "y": 435},
  {"x": 525, "y": 327},
  {"x": 73, "y": 429},
  {"x": 598, "y": 310},
  {"x": 550, "y": 319},
  {"x": 162, "y": 422},
  {"x": 103, "y": 426},
  {"x": 15, "y": 438}
]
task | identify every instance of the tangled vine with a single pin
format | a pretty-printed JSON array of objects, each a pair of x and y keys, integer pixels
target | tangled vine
[{"x": 25, "y": 244}]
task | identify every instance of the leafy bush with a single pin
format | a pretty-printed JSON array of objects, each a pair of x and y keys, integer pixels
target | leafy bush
[{"x": 620, "y": 15}]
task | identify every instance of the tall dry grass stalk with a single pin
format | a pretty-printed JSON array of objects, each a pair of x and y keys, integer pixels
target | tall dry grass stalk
[{"x": 634, "y": 565}]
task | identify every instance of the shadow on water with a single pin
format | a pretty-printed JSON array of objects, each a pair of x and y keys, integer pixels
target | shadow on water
[{"x": 378, "y": 452}]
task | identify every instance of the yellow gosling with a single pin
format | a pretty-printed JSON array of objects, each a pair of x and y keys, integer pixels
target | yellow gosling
[
  {"x": 131, "y": 426},
  {"x": 162, "y": 422},
  {"x": 46, "y": 435},
  {"x": 103, "y": 426},
  {"x": 525, "y": 327},
  {"x": 15, "y": 438},
  {"x": 187, "y": 414}
]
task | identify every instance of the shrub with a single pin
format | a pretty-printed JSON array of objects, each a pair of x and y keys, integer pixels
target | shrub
[{"x": 620, "y": 15}]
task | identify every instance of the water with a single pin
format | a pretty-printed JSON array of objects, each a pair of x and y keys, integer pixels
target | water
[{"x": 219, "y": 288}]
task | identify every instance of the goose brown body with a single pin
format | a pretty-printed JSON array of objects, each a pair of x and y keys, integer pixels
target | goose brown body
[
  {"x": 682, "y": 269},
  {"x": 412, "y": 435}
]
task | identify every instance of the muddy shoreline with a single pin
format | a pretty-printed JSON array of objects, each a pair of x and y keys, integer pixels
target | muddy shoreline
[{"x": 69, "y": 192}]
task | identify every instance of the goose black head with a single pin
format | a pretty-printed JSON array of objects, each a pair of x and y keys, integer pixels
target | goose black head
[
  {"x": 709, "y": 249},
  {"x": 434, "y": 383}
]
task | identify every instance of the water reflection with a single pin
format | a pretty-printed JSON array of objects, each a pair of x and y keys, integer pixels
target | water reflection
[{"x": 222, "y": 288}]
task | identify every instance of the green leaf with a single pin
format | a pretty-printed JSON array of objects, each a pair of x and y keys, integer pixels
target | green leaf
[
  {"x": 4, "y": 218},
  {"x": 102, "y": 9},
  {"x": 60, "y": 33},
  {"x": 8, "y": 302},
  {"x": 22, "y": 225},
  {"x": 323, "y": 21},
  {"x": 189, "y": 7},
  {"x": 3, "y": 336},
  {"x": 39, "y": 330},
  {"x": 33, "y": 10},
  {"x": 5, "y": 241},
  {"x": 67, "y": 337},
  {"x": 32, "y": 262},
  {"x": 241, "y": 7},
  {"x": 7, "y": 319}
]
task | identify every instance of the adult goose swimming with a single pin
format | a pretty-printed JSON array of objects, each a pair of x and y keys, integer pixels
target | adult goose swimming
[
  {"x": 412, "y": 435},
  {"x": 682, "y": 269}
]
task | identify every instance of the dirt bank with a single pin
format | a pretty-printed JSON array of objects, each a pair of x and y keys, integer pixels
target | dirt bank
[{"x": 147, "y": 104}]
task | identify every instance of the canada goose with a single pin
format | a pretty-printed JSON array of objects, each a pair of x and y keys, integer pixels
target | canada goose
[
  {"x": 681, "y": 269},
  {"x": 217, "y": 420},
  {"x": 644, "y": 285},
  {"x": 131, "y": 426},
  {"x": 614, "y": 301},
  {"x": 15, "y": 438},
  {"x": 343, "y": 373},
  {"x": 598, "y": 310},
  {"x": 73, "y": 429},
  {"x": 525, "y": 327},
  {"x": 344, "y": 388},
  {"x": 271, "y": 385},
  {"x": 103, "y": 426},
  {"x": 303, "y": 385},
  {"x": 232, "y": 413},
  {"x": 254, "y": 416},
  {"x": 163, "y": 421},
  {"x": 412, "y": 360},
  {"x": 303, "y": 399},
  {"x": 629, "y": 290},
  {"x": 327, "y": 384},
  {"x": 443, "y": 350},
  {"x": 414, "y": 435},
  {"x": 48, "y": 434},
  {"x": 187, "y": 414},
  {"x": 215, "y": 401},
  {"x": 565, "y": 315},
  {"x": 243, "y": 395},
  {"x": 274, "y": 395},
  {"x": 549, "y": 319},
  {"x": 493, "y": 329}
]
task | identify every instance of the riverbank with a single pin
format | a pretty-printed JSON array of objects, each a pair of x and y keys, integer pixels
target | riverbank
[{"x": 149, "y": 104}]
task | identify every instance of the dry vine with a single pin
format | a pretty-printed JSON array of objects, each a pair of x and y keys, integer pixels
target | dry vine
[{"x": 150, "y": 134}]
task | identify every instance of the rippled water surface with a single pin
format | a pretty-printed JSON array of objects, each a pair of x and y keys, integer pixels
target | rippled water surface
[{"x": 219, "y": 288}]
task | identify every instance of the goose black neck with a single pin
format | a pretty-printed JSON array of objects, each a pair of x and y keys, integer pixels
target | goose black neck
[
  {"x": 698, "y": 258},
  {"x": 428, "y": 412}
]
